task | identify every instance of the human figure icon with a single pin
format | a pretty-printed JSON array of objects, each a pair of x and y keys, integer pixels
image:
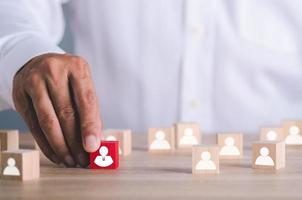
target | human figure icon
[
  {"x": 205, "y": 163},
  {"x": 103, "y": 160},
  {"x": 271, "y": 135},
  {"x": 11, "y": 169},
  {"x": 264, "y": 158},
  {"x": 112, "y": 138},
  {"x": 160, "y": 141},
  {"x": 294, "y": 136},
  {"x": 229, "y": 148},
  {"x": 188, "y": 138}
]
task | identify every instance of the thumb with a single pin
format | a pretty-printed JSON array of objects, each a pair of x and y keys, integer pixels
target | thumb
[{"x": 91, "y": 136}]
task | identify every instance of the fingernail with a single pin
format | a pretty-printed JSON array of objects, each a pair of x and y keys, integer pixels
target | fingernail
[
  {"x": 55, "y": 159},
  {"x": 91, "y": 143},
  {"x": 83, "y": 160},
  {"x": 69, "y": 160}
]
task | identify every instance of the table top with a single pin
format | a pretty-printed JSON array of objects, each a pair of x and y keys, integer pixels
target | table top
[{"x": 143, "y": 175}]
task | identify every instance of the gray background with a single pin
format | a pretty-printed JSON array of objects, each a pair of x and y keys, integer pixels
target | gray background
[{"x": 9, "y": 119}]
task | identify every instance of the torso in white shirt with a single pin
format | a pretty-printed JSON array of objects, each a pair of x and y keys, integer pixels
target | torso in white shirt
[{"x": 228, "y": 65}]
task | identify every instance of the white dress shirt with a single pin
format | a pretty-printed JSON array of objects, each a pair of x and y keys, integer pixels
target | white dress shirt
[{"x": 228, "y": 65}]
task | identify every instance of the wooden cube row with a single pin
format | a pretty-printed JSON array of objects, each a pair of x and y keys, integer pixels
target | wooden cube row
[
  {"x": 205, "y": 159},
  {"x": 186, "y": 135},
  {"x": 290, "y": 132},
  {"x": 15, "y": 163},
  {"x": 267, "y": 154},
  {"x": 181, "y": 136}
]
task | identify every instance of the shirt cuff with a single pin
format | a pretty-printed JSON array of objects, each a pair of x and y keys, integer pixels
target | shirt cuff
[{"x": 22, "y": 52}]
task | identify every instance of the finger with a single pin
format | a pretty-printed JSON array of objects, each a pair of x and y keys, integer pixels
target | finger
[
  {"x": 49, "y": 122},
  {"x": 69, "y": 120},
  {"x": 24, "y": 106},
  {"x": 87, "y": 106}
]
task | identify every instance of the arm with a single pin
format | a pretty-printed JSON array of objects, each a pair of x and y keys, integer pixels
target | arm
[
  {"x": 24, "y": 34},
  {"x": 52, "y": 91}
]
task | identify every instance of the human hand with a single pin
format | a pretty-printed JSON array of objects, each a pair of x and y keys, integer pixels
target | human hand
[{"x": 55, "y": 95}]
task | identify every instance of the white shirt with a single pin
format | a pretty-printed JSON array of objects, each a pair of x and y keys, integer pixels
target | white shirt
[{"x": 228, "y": 65}]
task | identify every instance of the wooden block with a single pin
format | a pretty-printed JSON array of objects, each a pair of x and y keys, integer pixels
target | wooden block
[
  {"x": 268, "y": 155},
  {"x": 106, "y": 157},
  {"x": 230, "y": 145},
  {"x": 187, "y": 134},
  {"x": 123, "y": 136},
  {"x": 205, "y": 160},
  {"x": 161, "y": 139},
  {"x": 292, "y": 132},
  {"x": 272, "y": 134},
  {"x": 20, "y": 165},
  {"x": 9, "y": 140}
]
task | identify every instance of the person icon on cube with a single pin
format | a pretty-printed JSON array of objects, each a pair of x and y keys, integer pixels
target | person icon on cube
[
  {"x": 11, "y": 169},
  {"x": 264, "y": 158},
  {"x": 188, "y": 138},
  {"x": 205, "y": 163},
  {"x": 103, "y": 160},
  {"x": 271, "y": 135},
  {"x": 294, "y": 136},
  {"x": 160, "y": 141},
  {"x": 112, "y": 138},
  {"x": 229, "y": 148}
]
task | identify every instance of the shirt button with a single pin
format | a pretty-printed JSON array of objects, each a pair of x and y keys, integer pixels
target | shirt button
[
  {"x": 194, "y": 103},
  {"x": 198, "y": 30}
]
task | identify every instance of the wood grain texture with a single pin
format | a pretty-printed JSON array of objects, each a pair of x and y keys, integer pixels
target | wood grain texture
[{"x": 143, "y": 175}]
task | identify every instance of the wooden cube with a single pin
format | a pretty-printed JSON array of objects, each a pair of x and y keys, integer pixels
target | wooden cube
[
  {"x": 272, "y": 134},
  {"x": 268, "y": 155},
  {"x": 230, "y": 145},
  {"x": 20, "y": 165},
  {"x": 106, "y": 157},
  {"x": 123, "y": 136},
  {"x": 161, "y": 139},
  {"x": 292, "y": 132},
  {"x": 187, "y": 134},
  {"x": 9, "y": 140},
  {"x": 205, "y": 160}
]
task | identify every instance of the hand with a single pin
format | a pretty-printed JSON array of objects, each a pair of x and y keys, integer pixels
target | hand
[{"x": 54, "y": 94}]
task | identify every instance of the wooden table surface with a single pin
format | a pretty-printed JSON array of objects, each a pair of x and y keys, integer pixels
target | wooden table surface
[{"x": 147, "y": 176}]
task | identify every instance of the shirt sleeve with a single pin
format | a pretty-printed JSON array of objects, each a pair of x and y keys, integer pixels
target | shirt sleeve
[{"x": 28, "y": 28}]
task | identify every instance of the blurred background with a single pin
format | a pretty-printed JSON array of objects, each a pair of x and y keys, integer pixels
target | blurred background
[{"x": 10, "y": 119}]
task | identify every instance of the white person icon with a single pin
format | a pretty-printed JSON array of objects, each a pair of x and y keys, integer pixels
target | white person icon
[
  {"x": 205, "y": 163},
  {"x": 271, "y": 135},
  {"x": 294, "y": 136},
  {"x": 103, "y": 160},
  {"x": 264, "y": 158},
  {"x": 160, "y": 141},
  {"x": 11, "y": 169},
  {"x": 188, "y": 138},
  {"x": 229, "y": 148}
]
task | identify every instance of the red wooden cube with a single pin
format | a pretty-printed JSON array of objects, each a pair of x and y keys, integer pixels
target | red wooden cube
[{"x": 106, "y": 157}]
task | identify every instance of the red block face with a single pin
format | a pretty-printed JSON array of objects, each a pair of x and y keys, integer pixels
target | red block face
[{"x": 106, "y": 157}]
